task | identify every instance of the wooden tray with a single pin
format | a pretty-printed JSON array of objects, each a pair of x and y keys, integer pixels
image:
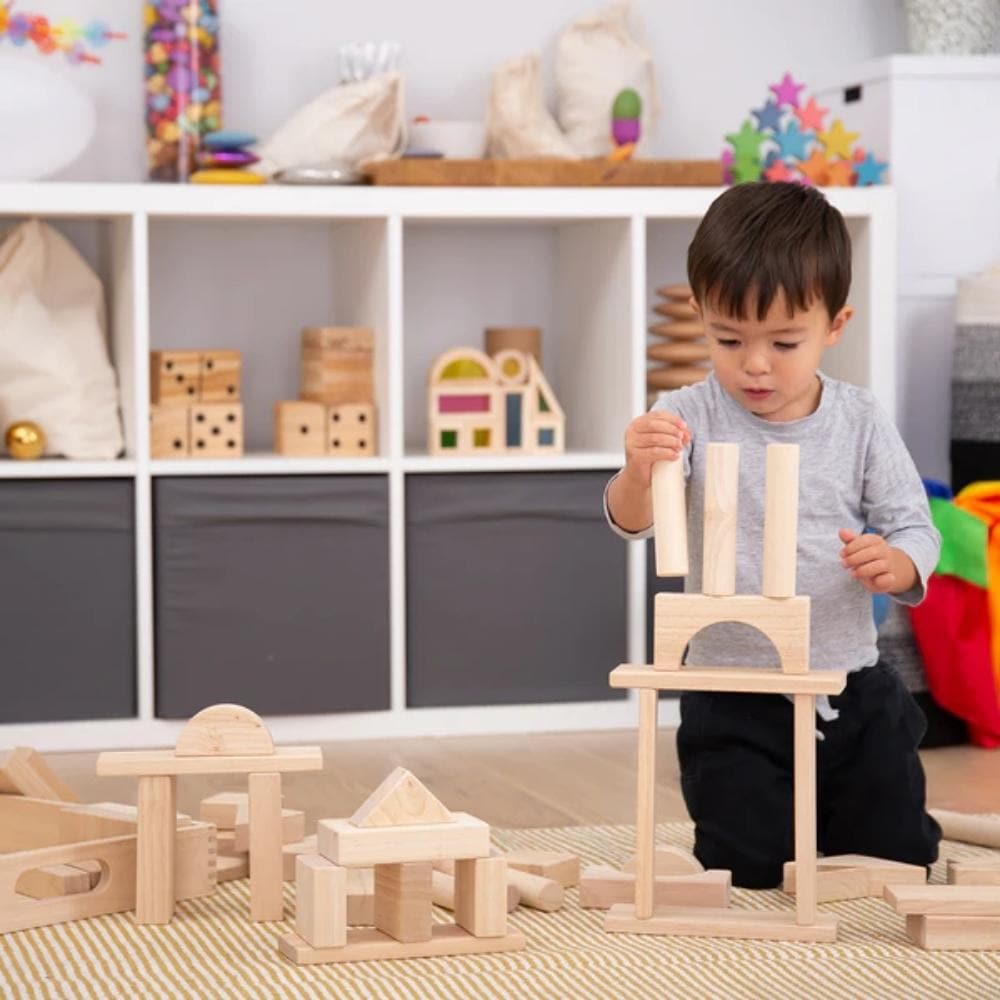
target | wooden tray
[{"x": 546, "y": 173}]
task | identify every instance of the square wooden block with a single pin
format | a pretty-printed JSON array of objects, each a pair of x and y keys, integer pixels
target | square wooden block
[
  {"x": 173, "y": 377},
  {"x": 337, "y": 366},
  {"x": 217, "y": 430},
  {"x": 351, "y": 430},
  {"x": 299, "y": 428},
  {"x": 403, "y": 901},
  {"x": 169, "y": 432},
  {"x": 219, "y": 377}
]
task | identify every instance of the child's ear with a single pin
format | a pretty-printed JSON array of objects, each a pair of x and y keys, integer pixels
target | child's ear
[
  {"x": 837, "y": 325},
  {"x": 693, "y": 303}
]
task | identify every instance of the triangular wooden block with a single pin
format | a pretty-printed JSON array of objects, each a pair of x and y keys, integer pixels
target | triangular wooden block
[{"x": 401, "y": 800}]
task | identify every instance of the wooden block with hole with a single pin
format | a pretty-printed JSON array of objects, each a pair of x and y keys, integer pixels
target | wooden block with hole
[
  {"x": 601, "y": 887},
  {"x": 560, "y": 866},
  {"x": 219, "y": 376},
  {"x": 978, "y": 871},
  {"x": 320, "y": 901},
  {"x": 300, "y": 428},
  {"x": 350, "y": 430},
  {"x": 173, "y": 377},
  {"x": 217, "y": 430},
  {"x": 481, "y": 896},
  {"x": 403, "y": 907},
  {"x": 169, "y": 431},
  {"x": 401, "y": 800}
]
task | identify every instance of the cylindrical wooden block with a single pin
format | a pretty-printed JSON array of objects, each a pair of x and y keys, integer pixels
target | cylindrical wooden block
[
  {"x": 536, "y": 891},
  {"x": 722, "y": 480},
  {"x": 670, "y": 519},
  {"x": 968, "y": 829},
  {"x": 781, "y": 514},
  {"x": 157, "y": 826},
  {"x": 521, "y": 338}
]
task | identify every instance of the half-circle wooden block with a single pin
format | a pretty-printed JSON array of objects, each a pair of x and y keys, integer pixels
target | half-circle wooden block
[{"x": 225, "y": 731}]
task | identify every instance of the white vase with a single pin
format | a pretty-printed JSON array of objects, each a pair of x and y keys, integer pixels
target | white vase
[
  {"x": 953, "y": 27},
  {"x": 46, "y": 121}
]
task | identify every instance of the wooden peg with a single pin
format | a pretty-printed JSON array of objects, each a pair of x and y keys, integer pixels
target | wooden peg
[
  {"x": 781, "y": 513},
  {"x": 670, "y": 519},
  {"x": 722, "y": 480}
]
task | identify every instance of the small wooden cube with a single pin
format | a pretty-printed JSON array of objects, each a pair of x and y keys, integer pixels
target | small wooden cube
[
  {"x": 299, "y": 428},
  {"x": 337, "y": 366},
  {"x": 219, "y": 377},
  {"x": 403, "y": 906},
  {"x": 169, "y": 432},
  {"x": 217, "y": 430},
  {"x": 173, "y": 377},
  {"x": 351, "y": 430}
]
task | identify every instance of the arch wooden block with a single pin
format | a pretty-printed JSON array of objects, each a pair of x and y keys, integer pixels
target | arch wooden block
[
  {"x": 224, "y": 731},
  {"x": 669, "y": 860}
]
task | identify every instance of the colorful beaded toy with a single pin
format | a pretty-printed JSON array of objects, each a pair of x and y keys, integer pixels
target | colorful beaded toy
[{"x": 69, "y": 37}]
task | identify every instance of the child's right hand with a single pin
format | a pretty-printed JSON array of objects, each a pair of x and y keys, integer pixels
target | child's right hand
[{"x": 656, "y": 436}]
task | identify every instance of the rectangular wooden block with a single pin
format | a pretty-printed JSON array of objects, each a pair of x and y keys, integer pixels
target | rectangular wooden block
[
  {"x": 360, "y": 896},
  {"x": 219, "y": 376},
  {"x": 132, "y": 763},
  {"x": 978, "y": 872},
  {"x": 216, "y": 430},
  {"x": 293, "y": 829},
  {"x": 601, "y": 887},
  {"x": 320, "y": 901},
  {"x": 225, "y": 809},
  {"x": 855, "y": 877},
  {"x": 230, "y": 868},
  {"x": 352, "y": 846},
  {"x": 173, "y": 377},
  {"x": 761, "y": 925},
  {"x": 560, "y": 866},
  {"x": 289, "y": 852},
  {"x": 350, "y": 430},
  {"x": 762, "y": 680},
  {"x": 56, "y": 880},
  {"x": 266, "y": 883},
  {"x": 954, "y": 933},
  {"x": 24, "y": 771},
  {"x": 300, "y": 428},
  {"x": 403, "y": 907},
  {"x": 945, "y": 900},
  {"x": 481, "y": 896}
]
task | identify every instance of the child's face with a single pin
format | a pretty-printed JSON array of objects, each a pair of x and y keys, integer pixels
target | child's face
[{"x": 769, "y": 366}]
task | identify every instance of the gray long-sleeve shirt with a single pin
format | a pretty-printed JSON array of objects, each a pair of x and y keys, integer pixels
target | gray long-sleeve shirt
[{"x": 854, "y": 472}]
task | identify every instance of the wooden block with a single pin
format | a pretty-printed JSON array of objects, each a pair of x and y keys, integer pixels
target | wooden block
[
  {"x": 670, "y": 519},
  {"x": 601, "y": 887},
  {"x": 155, "y": 859},
  {"x": 360, "y": 896},
  {"x": 945, "y": 900},
  {"x": 443, "y": 890},
  {"x": 481, "y": 896},
  {"x": 762, "y": 925},
  {"x": 169, "y": 431},
  {"x": 293, "y": 830},
  {"x": 855, "y": 877},
  {"x": 173, "y": 377},
  {"x": 132, "y": 763},
  {"x": 346, "y": 844},
  {"x": 781, "y": 517},
  {"x": 559, "y": 866},
  {"x": 954, "y": 933},
  {"x": 668, "y": 860},
  {"x": 224, "y": 730},
  {"x": 645, "y": 812},
  {"x": 230, "y": 868},
  {"x": 804, "y": 805},
  {"x": 216, "y": 430},
  {"x": 290, "y": 851},
  {"x": 403, "y": 901},
  {"x": 835, "y": 884},
  {"x": 679, "y": 616},
  {"x": 967, "y": 828},
  {"x": 219, "y": 376},
  {"x": 266, "y": 902},
  {"x": 984, "y": 871},
  {"x": 722, "y": 480},
  {"x": 401, "y": 800},
  {"x": 366, "y": 944},
  {"x": 225, "y": 809},
  {"x": 762, "y": 680},
  {"x": 56, "y": 880},
  {"x": 300, "y": 428},
  {"x": 536, "y": 892},
  {"x": 337, "y": 365},
  {"x": 320, "y": 901},
  {"x": 350, "y": 430},
  {"x": 24, "y": 771}
]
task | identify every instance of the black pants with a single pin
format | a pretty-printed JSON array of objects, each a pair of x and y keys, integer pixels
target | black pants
[{"x": 736, "y": 761}]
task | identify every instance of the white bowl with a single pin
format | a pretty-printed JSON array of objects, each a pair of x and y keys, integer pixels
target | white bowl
[{"x": 457, "y": 140}]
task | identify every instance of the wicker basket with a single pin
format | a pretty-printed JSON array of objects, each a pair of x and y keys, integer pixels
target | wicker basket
[{"x": 953, "y": 27}]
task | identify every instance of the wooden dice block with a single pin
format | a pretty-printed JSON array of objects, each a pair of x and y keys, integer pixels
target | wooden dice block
[
  {"x": 173, "y": 377},
  {"x": 299, "y": 428},
  {"x": 337, "y": 365},
  {"x": 169, "y": 432},
  {"x": 219, "y": 377},
  {"x": 216, "y": 430},
  {"x": 351, "y": 430}
]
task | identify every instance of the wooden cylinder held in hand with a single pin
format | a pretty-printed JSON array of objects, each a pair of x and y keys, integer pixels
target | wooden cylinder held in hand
[
  {"x": 670, "y": 519},
  {"x": 722, "y": 481},
  {"x": 781, "y": 516}
]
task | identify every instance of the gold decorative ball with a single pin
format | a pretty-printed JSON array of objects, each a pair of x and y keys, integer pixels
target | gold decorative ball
[{"x": 25, "y": 439}]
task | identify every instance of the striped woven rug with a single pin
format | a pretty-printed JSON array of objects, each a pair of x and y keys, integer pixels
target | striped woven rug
[{"x": 211, "y": 950}]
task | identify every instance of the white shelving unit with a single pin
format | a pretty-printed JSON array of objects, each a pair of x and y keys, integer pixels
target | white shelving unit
[{"x": 427, "y": 269}]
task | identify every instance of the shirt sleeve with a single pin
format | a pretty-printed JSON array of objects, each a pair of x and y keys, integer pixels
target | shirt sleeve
[{"x": 894, "y": 504}]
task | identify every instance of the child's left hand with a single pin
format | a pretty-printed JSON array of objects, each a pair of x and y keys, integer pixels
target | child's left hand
[{"x": 868, "y": 557}]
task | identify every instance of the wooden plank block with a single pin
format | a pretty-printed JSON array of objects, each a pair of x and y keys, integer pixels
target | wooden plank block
[
  {"x": 155, "y": 861},
  {"x": 132, "y": 763},
  {"x": 225, "y": 809},
  {"x": 346, "y": 844},
  {"x": 169, "y": 431},
  {"x": 104, "y": 819},
  {"x": 24, "y": 771},
  {"x": 320, "y": 901},
  {"x": 560, "y": 866},
  {"x": 722, "y": 480},
  {"x": 266, "y": 901},
  {"x": 978, "y": 872},
  {"x": 293, "y": 830},
  {"x": 367, "y": 944},
  {"x": 677, "y": 617},
  {"x": 601, "y": 887},
  {"x": 229, "y": 868},
  {"x": 219, "y": 376},
  {"x": 781, "y": 518},
  {"x": 954, "y": 933},
  {"x": 670, "y": 519},
  {"x": 836, "y": 880},
  {"x": 55, "y": 880},
  {"x": 443, "y": 891},
  {"x": 645, "y": 823},
  {"x": 762, "y": 925},
  {"x": 481, "y": 896},
  {"x": 216, "y": 430},
  {"x": 400, "y": 800},
  {"x": 669, "y": 860},
  {"x": 945, "y": 900},
  {"x": 761, "y": 680},
  {"x": 403, "y": 901},
  {"x": 299, "y": 428},
  {"x": 968, "y": 828},
  {"x": 804, "y": 795}
]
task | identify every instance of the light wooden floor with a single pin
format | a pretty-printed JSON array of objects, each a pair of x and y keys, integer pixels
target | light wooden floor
[{"x": 565, "y": 779}]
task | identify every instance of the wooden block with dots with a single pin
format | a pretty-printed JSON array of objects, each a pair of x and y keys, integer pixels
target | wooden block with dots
[
  {"x": 217, "y": 430},
  {"x": 173, "y": 377},
  {"x": 169, "y": 432},
  {"x": 219, "y": 376},
  {"x": 300, "y": 428},
  {"x": 351, "y": 430}
]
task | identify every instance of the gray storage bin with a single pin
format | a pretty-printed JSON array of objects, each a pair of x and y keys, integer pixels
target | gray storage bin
[
  {"x": 67, "y": 599},
  {"x": 516, "y": 589},
  {"x": 272, "y": 592}
]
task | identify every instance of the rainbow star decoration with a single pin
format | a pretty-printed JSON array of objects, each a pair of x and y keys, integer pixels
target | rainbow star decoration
[
  {"x": 793, "y": 141},
  {"x": 70, "y": 38}
]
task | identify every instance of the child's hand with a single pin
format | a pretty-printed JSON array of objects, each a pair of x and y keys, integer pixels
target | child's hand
[
  {"x": 868, "y": 557},
  {"x": 656, "y": 436}
]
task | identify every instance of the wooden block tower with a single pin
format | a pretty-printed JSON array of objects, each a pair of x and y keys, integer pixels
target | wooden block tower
[
  {"x": 195, "y": 407},
  {"x": 784, "y": 619}
]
